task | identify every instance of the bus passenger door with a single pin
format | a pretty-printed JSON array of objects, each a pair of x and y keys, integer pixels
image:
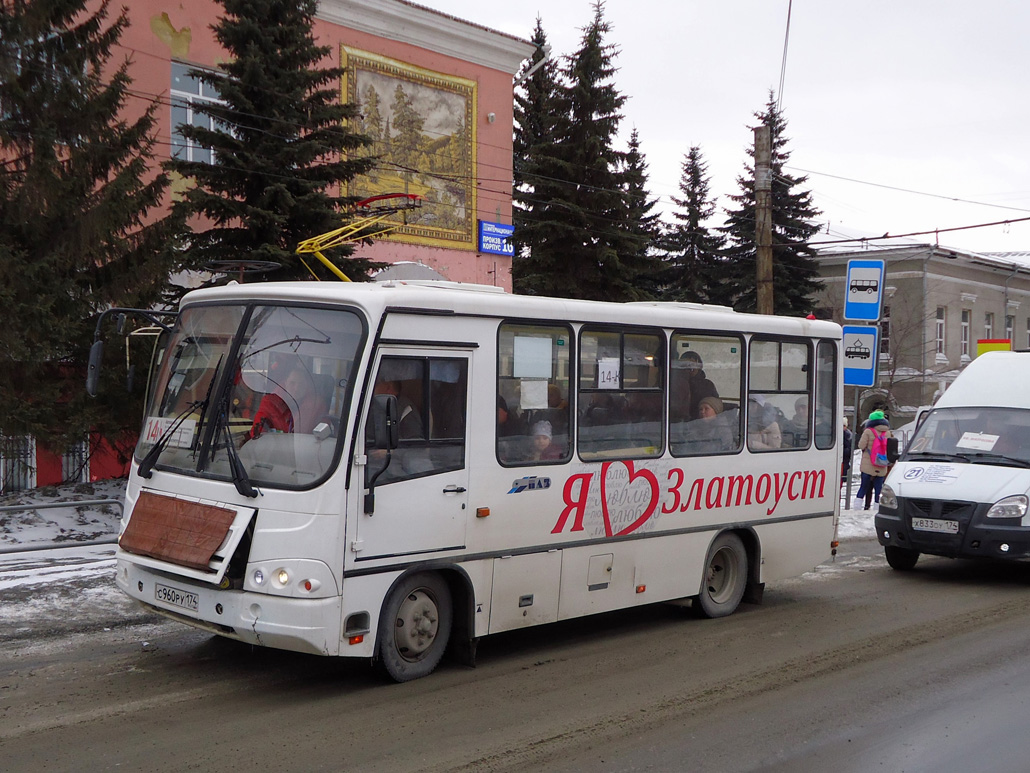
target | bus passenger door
[{"x": 421, "y": 487}]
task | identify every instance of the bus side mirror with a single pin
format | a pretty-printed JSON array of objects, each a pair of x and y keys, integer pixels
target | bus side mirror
[
  {"x": 892, "y": 450},
  {"x": 96, "y": 354},
  {"x": 385, "y": 424}
]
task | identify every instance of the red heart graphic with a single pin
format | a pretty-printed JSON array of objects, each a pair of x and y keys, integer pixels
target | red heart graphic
[{"x": 633, "y": 475}]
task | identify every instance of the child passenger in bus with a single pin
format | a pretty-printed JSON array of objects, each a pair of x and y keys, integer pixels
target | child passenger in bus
[
  {"x": 544, "y": 449},
  {"x": 709, "y": 434}
]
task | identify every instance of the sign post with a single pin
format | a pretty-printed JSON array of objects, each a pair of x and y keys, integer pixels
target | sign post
[{"x": 863, "y": 302}]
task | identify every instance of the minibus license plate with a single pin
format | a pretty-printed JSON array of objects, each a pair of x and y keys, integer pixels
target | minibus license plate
[
  {"x": 935, "y": 524},
  {"x": 176, "y": 597}
]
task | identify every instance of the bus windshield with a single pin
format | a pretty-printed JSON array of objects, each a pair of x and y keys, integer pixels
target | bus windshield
[
  {"x": 981, "y": 434},
  {"x": 272, "y": 380}
]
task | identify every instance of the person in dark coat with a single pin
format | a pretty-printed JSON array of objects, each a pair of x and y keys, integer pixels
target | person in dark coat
[
  {"x": 700, "y": 385},
  {"x": 845, "y": 464}
]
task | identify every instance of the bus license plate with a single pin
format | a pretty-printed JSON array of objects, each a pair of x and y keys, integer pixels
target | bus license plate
[
  {"x": 935, "y": 524},
  {"x": 176, "y": 597}
]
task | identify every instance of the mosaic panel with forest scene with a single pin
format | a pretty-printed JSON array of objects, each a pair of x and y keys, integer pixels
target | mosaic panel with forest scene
[{"x": 422, "y": 128}]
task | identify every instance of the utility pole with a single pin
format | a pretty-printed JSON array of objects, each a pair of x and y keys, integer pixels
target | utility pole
[{"x": 763, "y": 219}]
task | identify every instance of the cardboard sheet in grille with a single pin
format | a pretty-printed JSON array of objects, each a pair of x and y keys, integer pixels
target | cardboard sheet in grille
[{"x": 176, "y": 530}]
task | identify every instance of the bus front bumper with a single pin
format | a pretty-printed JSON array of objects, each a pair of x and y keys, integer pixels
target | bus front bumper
[{"x": 299, "y": 625}]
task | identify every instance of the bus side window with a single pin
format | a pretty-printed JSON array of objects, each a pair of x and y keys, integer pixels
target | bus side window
[
  {"x": 779, "y": 395},
  {"x": 825, "y": 394},
  {"x": 431, "y": 400},
  {"x": 705, "y": 382},
  {"x": 621, "y": 393},
  {"x": 532, "y": 423}
]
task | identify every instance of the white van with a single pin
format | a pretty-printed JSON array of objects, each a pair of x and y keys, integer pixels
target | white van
[{"x": 961, "y": 488}]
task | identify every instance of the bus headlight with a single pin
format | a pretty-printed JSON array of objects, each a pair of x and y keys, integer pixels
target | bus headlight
[
  {"x": 1009, "y": 507},
  {"x": 888, "y": 498},
  {"x": 295, "y": 577}
]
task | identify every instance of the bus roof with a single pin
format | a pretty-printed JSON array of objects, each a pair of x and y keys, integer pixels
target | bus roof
[
  {"x": 992, "y": 379},
  {"x": 484, "y": 300}
]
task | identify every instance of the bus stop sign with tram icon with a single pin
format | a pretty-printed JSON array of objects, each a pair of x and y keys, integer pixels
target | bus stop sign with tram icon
[
  {"x": 861, "y": 349},
  {"x": 864, "y": 291}
]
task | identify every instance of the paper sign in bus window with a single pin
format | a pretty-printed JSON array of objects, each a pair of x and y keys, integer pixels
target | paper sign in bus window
[
  {"x": 608, "y": 372},
  {"x": 977, "y": 441},
  {"x": 533, "y": 394},
  {"x": 532, "y": 357}
]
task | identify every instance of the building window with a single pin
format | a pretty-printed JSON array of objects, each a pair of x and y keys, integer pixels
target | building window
[
  {"x": 75, "y": 463},
  {"x": 940, "y": 330},
  {"x": 187, "y": 94},
  {"x": 885, "y": 333},
  {"x": 966, "y": 320},
  {"x": 988, "y": 326},
  {"x": 1010, "y": 325}
]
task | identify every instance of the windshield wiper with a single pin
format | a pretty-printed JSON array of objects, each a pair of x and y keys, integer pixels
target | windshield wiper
[
  {"x": 937, "y": 456},
  {"x": 146, "y": 465},
  {"x": 240, "y": 479},
  {"x": 981, "y": 457}
]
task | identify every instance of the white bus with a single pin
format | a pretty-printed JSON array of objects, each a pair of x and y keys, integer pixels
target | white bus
[{"x": 390, "y": 470}]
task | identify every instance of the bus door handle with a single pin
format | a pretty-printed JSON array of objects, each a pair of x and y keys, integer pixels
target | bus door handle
[{"x": 454, "y": 490}]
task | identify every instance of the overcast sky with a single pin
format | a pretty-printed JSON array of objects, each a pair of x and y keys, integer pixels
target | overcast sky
[{"x": 895, "y": 108}]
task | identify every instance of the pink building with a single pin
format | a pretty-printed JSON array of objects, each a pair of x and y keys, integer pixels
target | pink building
[{"x": 455, "y": 74}]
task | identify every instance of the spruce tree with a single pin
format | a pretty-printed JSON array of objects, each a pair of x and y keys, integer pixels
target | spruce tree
[
  {"x": 80, "y": 228},
  {"x": 795, "y": 275},
  {"x": 643, "y": 226},
  {"x": 538, "y": 123},
  {"x": 693, "y": 252},
  {"x": 579, "y": 242},
  {"x": 281, "y": 144}
]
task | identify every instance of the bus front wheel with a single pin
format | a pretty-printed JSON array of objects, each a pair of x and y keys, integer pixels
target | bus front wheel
[
  {"x": 725, "y": 578},
  {"x": 415, "y": 627},
  {"x": 901, "y": 559}
]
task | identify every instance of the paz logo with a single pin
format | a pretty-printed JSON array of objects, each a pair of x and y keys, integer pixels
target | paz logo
[{"x": 531, "y": 483}]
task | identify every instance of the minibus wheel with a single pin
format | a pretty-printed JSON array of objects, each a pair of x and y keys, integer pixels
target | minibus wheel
[
  {"x": 725, "y": 578},
  {"x": 415, "y": 627},
  {"x": 902, "y": 559}
]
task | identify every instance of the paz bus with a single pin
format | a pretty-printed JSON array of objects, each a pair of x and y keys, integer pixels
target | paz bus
[{"x": 391, "y": 470}]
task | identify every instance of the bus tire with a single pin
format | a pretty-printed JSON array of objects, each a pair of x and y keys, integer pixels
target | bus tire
[
  {"x": 901, "y": 559},
  {"x": 725, "y": 577},
  {"x": 415, "y": 627}
]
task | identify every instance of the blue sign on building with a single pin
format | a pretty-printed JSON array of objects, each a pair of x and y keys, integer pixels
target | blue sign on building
[
  {"x": 861, "y": 353},
  {"x": 863, "y": 295},
  {"x": 495, "y": 238}
]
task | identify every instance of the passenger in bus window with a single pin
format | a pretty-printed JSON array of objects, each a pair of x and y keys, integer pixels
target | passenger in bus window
[
  {"x": 699, "y": 384},
  {"x": 795, "y": 429},
  {"x": 763, "y": 425},
  {"x": 294, "y": 406},
  {"x": 709, "y": 433},
  {"x": 544, "y": 449}
]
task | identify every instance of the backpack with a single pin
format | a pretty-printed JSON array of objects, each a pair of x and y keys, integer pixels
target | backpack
[{"x": 878, "y": 450}]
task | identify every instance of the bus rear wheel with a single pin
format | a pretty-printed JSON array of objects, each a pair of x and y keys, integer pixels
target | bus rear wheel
[
  {"x": 722, "y": 586},
  {"x": 901, "y": 559},
  {"x": 415, "y": 627}
]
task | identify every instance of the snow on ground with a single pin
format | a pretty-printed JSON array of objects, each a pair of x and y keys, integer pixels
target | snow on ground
[{"x": 33, "y": 526}]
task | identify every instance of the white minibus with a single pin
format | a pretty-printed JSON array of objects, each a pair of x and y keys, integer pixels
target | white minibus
[{"x": 392, "y": 470}]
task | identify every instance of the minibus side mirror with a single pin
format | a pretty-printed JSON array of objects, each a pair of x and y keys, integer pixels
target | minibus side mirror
[
  {"x": 892, "y": 450},
  {"x": 385, "y": 427}
]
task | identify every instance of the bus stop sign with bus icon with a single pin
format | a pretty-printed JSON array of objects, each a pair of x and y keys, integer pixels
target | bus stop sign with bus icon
[
  {"x": 863, "y": 295},
  {"x": 861, "y": 352}
]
